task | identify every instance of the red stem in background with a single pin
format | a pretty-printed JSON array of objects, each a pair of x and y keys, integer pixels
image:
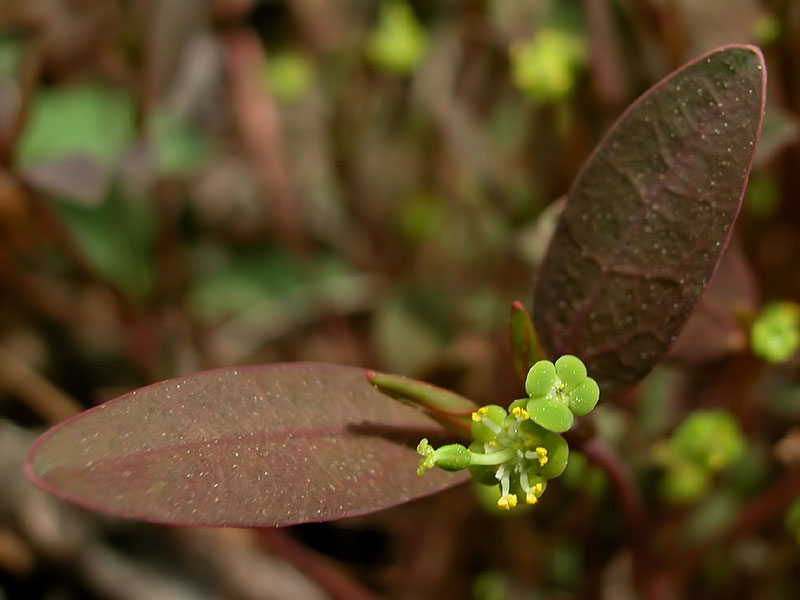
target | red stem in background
[
  {"x": 760, "y": 510},
  {"x": 259, "y": 122},
  {"x": 333, "y": 580},
  {"x": 633, "y": 512}
]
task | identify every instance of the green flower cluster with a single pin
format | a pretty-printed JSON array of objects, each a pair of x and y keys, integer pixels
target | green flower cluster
[
  {"x": 520, "y": 448},
  {"x": 704, "y": 444},
  {"x": 775, "y": 334},
  {"x": 398, "y": 42},
  {"x": 546, "y": 67}
]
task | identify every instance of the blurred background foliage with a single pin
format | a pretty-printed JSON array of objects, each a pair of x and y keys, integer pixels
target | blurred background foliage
[{"x": 192, "y": 184}]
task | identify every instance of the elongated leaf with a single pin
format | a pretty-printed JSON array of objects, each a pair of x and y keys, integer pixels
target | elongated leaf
[
  {"x": 525, "y": 347},
  {"x": 256, "y": 446},
  {"x": 441, "y": 405},
  {"x": 649, "y": 216}
]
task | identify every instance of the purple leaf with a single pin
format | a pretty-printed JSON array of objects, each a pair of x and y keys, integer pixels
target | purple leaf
[
  {"x": 649, "y": 216},
  {"x": 256, "y": 446}
]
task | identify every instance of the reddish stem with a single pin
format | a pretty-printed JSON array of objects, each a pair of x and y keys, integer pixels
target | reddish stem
[
  {"x": 633, "y": 512},
  {"x": 334, "y": 581},
  {"x": 760, "y": 510}
]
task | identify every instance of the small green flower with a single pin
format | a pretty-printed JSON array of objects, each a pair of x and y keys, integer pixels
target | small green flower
[
  {"x": 520, "y": 449},
  {"x": 546, "y": 66},
  {"x": 709, "y": 438},
  {"x": 509, "y": 450},
  {"x": 684, "y": 483},
  {"x": 705, "y": 443},
  {"x": 775, "y": 335},
  {"x": 289, "y": 75},
  {"x": 398, "y": 42},
  {"x": 557, "y": 392}
]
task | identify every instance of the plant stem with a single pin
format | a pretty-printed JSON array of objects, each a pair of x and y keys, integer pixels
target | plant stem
[
  {"x": 633, "y": 512},
  {"x": 492, "y": 458},
  {"x": 338, "y": 584},
  {"x": 753, "y": 515}
]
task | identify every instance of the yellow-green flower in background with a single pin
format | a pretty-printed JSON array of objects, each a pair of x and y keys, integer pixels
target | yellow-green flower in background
[
  {"x": 547, "y": 66},
  {"x": 398, "y": 42}
]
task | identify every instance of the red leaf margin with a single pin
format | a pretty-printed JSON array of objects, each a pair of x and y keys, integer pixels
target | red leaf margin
[
  {"x": 259, "y": 446},
  {"x": 617, "y": 300}
]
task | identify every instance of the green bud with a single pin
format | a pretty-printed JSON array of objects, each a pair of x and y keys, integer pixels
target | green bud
[
  {"x": 583, "y": 398},
  {"x": 452, "y": 457},
  {"x": 541, "y": 379}
]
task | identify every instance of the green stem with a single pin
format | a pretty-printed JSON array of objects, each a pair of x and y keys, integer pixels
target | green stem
[{"x": 491, "y": 458}]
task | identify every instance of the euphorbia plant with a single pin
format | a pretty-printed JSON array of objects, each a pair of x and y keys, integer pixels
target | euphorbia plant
[{"x": 642, "y": 231}]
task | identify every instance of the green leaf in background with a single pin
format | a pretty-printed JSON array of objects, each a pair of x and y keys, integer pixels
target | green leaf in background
[
  {"x": 179, "y": 148},
  {"x": 405, "y": 341},
  {"x": 81, "y": 119},
  {"x": 117, "y": 239},
  {"x": 792, "y": 520},
  {"x": 73, "y": 140},
  {"x": 763, "y": 196},
  {"x": 252, "y": 296},
  {"x": 10, "y": 55},
  {"x": 227, "y": 285},
  {"x": 649, "y": 216}
]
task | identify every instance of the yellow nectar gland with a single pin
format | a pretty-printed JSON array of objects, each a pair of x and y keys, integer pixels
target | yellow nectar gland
[
  {"x": 508, "y": 501},
  {"x": 478, "y": 415},
  {"x": 542, "y": 453},
  {"x": 532, "y": 497},
  {"x": 520, "y": 413}
]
